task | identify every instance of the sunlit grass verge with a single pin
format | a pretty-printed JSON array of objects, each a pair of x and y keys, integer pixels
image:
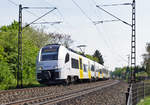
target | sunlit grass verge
[
  {"x": 14, "y": 86},
  {"x": 147, "y": 81},
  {"x": 145, "y": 101}
]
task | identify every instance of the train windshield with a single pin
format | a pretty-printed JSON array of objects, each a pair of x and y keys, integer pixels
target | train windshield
[{"x": 49, "y": 53}]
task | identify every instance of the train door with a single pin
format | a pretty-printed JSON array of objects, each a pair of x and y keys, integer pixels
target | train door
[
  {"x": 67, "y": 65},
  {"x": 99, "y": 73},
  {"x": 89, "y": 70},
  {"x": 81, "y": 68},
  {"x": 95, "y": 70},
  {"x": 102, "y": 73}
]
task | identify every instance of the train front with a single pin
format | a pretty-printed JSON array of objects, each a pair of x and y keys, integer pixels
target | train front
[{"x": 47, "y": 70}]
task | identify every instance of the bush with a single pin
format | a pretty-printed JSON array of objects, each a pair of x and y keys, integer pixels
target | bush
[{"x": 7, "y": 79}]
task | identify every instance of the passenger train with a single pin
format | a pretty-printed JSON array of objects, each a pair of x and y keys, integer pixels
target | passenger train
[{"x": 58, "y": 64}]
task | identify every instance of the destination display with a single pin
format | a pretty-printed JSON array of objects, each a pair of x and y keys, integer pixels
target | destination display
[{"x": 49, "y": 49}]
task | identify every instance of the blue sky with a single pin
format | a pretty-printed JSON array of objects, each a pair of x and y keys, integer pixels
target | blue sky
[{"x": 112, "y": 39}]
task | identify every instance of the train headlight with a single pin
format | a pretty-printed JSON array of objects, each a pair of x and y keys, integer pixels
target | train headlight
[
  {"x": 55, "y": 67},
  {"x": 40, "y": 68}
]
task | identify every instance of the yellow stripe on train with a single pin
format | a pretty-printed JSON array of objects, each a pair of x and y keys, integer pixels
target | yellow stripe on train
[
  {"x": 98, "y": 74},
  {"x": 81, "y": 68},
  {"x": 102, "y": 75},
  {"x": 89, "y": 74}
]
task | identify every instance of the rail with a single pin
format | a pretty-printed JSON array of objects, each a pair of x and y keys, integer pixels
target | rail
[
  {"x": 129, "y": 95},
  {"x": 48, "y": 99}
]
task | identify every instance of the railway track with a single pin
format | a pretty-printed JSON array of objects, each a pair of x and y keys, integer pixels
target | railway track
[
  {"x": 8, "y": 96},
  {"x": 62, "y": 96}
]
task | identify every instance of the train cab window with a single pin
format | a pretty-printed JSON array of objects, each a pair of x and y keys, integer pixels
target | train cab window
[
  {"x": 92, "y": 68},
  {"x": 74, "y": 63},
  {"x": 49, "y": 53},
  {"x": 67, "y": 58}
]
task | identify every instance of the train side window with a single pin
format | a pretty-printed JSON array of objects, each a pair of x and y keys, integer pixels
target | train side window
[
  {"x": 80, "y": 63},
  {"x": 89, "y": 66},
  {"x": 100, "y": 71},
  {"x": 67, "y": 58},
  {"x": 85, "y": 67},
  {"x": 74, "y": 63},
  {"x": 92, "y": 68}
]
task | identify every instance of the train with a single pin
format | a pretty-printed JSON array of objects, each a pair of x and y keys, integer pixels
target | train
[{"x": 58, "y": 64}]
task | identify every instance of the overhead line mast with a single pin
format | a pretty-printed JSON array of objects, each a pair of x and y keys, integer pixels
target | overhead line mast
[
  {"x": 20, "y": 64},
  {"x": 133, "y": 43},
  {"x": 20, "y": 68},
  {"x": 133, "y": 36}
]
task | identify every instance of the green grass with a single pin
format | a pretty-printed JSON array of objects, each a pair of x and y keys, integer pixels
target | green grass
[
  {"x": 13, "y": 86},
  {"x": 145, "y": 101},
  {"x": 147, "y": 81}
]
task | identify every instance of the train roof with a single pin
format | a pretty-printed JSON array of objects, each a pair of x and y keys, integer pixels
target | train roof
[
  {"x": 52, "y": 44},
  {"x": 69, "y": 50}
]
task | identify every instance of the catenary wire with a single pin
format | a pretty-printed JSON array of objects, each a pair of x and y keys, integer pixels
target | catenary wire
[
  {"x": 94, "y": 25},
  {"x": 82, "y": 11},
  {"x": 15, "y": 4}
]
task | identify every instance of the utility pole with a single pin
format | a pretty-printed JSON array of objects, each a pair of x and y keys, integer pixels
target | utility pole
[
  {"x": 19, "y": 76},
  {"x": 133, "y": 36},
  {"x": 128, "y": 68},
  {"x": 20, "y": 64},
  {"x": 133, "y": 44},
  {"x": 128, "y": 60}
]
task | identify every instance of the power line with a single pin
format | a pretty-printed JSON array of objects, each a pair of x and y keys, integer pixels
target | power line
[
  {"x": 52, "y": 23},
  {"x": 82, "y": 11},
  {"x": 60, "y": 14},
  {"x": 102, "y": 36},
  {"x": 97, "y": 22},
  {"x": 57, "y": 10},
  {"x": 53, "y": 8},
  {"x": 113, "y": 15},
  {"x": 38, "y": 7},
  {"x": 13, "y": 2},
  {"x": 95, "y": 25},
  {"x": 94, "y": 2},
  {"x": 40, "y": 17},
  {"x": 118, "y": 4},
  {"x": 112, "y": 48},
  {"x": 106, "y": 42},
  {"x": 47, "y": 2}
]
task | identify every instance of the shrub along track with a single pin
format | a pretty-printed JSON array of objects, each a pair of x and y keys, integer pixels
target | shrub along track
[{"x": 51, "y": 94}]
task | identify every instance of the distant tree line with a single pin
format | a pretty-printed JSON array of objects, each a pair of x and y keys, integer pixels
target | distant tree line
[
  {"x": 140, "y": 71},
  {"x": 146, "y": 57}
]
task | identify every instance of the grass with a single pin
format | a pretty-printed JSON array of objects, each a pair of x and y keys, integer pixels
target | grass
[
  {"x": 27, "y": 85},
  {"x": 147, "y": 81},
  {"x": 145, "y": 101}
]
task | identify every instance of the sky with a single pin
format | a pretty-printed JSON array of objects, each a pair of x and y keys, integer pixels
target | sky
[{"x": 112, "y": 39}]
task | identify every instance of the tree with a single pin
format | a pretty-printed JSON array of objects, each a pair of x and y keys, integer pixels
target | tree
[
  {"x": 98, "y": 55},
  {"x": 8, "y": 55},
  {"x": 32, "y": 40},
  {"x": 92, "y": 58},
  {"x": 147, "y": 59},
  {"x": 63, "y": 39}
]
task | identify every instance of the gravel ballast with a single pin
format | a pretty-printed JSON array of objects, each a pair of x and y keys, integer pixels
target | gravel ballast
[{"x": 114, "y": 95}]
